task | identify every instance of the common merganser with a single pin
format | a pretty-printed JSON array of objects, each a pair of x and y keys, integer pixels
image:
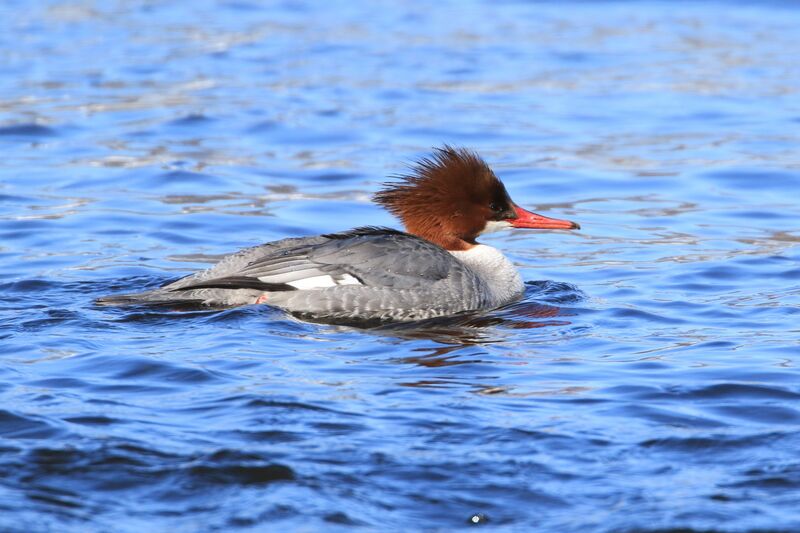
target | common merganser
[{"x": 436, "y": 268}]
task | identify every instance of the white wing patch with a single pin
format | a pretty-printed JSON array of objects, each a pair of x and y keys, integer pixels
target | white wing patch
[{"x": 322, "y": 282}]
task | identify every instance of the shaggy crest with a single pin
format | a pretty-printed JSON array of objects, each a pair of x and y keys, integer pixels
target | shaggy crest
[{"x": 447, "y": 198}]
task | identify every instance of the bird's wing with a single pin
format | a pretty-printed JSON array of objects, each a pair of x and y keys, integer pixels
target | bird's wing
[{"x": 371, "y": 257}]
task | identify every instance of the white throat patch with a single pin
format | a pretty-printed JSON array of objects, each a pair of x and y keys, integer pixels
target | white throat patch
[{"x": 495, "y": 225}]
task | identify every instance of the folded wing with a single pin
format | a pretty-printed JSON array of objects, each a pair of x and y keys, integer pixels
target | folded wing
[{"x": 370, "y": 257}]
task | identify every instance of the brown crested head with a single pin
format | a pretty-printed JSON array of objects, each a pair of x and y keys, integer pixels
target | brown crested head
[{"x": 448, "y": 198}]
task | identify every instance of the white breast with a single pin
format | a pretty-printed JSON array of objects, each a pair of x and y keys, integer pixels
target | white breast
[{"x": 501, "y": 277}]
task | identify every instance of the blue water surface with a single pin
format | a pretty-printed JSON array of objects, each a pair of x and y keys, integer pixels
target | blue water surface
[{"x": 648, "y": 381}]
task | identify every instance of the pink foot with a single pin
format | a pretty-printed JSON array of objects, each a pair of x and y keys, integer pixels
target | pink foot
[{"x": 262, "y": 299}]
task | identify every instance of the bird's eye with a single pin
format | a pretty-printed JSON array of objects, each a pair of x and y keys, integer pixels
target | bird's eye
[{"x": 494, "y": 207}]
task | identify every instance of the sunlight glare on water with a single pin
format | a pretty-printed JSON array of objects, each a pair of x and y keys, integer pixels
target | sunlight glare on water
[{"x": 646, "y": 382}]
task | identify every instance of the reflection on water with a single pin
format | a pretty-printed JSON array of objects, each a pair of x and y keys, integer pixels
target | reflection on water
[{"x": 650, "y": 367}]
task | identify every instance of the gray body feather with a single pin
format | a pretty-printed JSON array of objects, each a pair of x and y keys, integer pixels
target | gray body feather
[{"x": 373, "y": 273}]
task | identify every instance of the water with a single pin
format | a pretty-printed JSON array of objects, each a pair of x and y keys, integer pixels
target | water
[{"x": 647, "y": 382}]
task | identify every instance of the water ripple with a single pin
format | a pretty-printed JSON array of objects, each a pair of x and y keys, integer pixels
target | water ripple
[{"x": 646, "y": 381}]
